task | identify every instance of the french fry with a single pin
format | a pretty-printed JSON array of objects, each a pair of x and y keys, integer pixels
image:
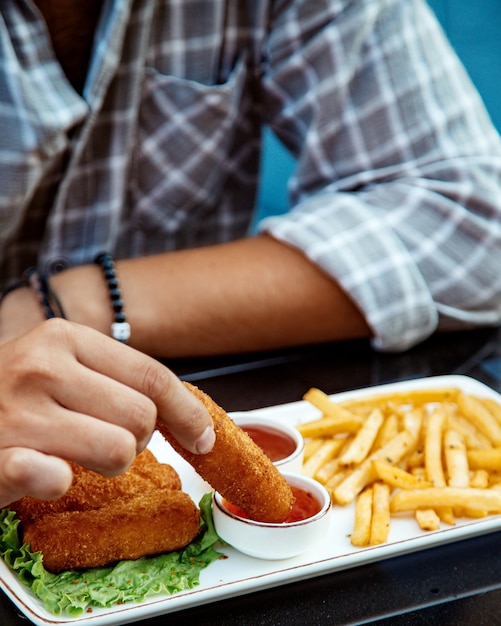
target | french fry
[
  {"x": 311, "y": 446},
  {"x": 451, "y": 409},
  {"x": 472, "y": 436},
  {"x": 493, "y": 407},
  {"x": 475, "y": 513},
  {"x": 362, "y": 442},
  {"x": 361, "y": 534},
  {"x": 328, "y": 449},
  {"x": 388, "y": 430},
  {"x": 415, "y": 397},
  {"x": 479, "y": 479},
  {"x": 413, "y": 421},
  {"x": 435, "y": 453},
  {"x": 416, "y": 460},
  {"x": 419, "y": 473},
  {"x": 362, "y": 475},
  {"x": 456, "y": 460},
  {"x": 433, "y": 449},
  {"x": 327, "y": 471},
  {"x": 433, "y": 460},
  {"x": 330, "y": 468},
  {"x": 380, "y": 524},
  {"x": 335, "y": 479},
  {"x": 494, "y": 477},
  {"x": 323, "y": 403},
  {"x": 478, "y": 414},
  {"x": 397, "y": 477},
  {"x": 435, "y": 497},
  {"x": 330, "y": 425},
  {"x": 485, "y": 459},
  {"x": 446, "y": 514},
  {"x": 427, "y": 519}
]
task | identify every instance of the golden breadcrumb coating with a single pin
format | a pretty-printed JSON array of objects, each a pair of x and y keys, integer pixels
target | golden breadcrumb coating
[
  {"x": 127, "y": 528},
  {"x": 101, "y": 520},
  {"x": 90, "y": 490},
  {"x": 237, "y": 468}
]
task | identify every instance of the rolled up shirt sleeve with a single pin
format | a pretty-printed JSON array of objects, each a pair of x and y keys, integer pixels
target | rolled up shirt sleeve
[{"x": 397, "y": 188}]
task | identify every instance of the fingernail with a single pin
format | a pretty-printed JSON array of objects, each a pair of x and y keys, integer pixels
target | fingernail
[{"x": 206, "y": 441}]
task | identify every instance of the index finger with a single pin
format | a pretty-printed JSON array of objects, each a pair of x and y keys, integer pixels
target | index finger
[{"x": 177, "y": 408}]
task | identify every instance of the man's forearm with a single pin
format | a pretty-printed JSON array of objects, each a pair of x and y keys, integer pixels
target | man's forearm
[{"x": 248, "y": 295}]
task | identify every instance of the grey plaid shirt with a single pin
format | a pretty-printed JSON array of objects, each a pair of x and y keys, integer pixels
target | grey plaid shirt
[{"x": 397, "y": 189}]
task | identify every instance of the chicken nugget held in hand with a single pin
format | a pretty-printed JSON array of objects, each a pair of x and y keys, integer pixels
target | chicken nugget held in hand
[{"x": 237, "y": 468}]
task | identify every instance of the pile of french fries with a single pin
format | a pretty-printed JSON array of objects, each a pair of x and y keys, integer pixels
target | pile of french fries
[{"x": 435, "y": 453}]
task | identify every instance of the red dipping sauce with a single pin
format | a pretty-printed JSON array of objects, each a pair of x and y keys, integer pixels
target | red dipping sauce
[
  {"x": 275, "y": 444},
  {"x": 304, "y": 507}
]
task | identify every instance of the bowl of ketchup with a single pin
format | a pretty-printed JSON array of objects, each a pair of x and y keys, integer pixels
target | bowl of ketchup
[
  {"x": 280, "y": 441},
  {"x": 306, "y": 526}
]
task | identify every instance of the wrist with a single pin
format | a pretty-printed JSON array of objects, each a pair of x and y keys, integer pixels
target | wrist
[
  {"x": 84, "y": 296},
  {"x": 19, "y": 312}
]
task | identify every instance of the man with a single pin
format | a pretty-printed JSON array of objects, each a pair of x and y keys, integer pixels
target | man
[{"x": 134, "y": 127}]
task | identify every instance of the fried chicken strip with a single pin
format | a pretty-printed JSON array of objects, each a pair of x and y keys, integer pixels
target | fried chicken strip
[
  {"x": 126, "y": 528},
  {"x": 237, "y": 468},
  {"x": 90, "y": 490}
]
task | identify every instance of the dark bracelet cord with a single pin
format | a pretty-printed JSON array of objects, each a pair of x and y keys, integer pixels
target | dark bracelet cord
[
  {"x": 54, "y": 299},
  {"x": 40, "y": 284},
  {"x": 120, "y": 328}
]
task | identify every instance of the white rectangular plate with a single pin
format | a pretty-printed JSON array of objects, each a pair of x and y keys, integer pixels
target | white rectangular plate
[{"x": 239, "y": 574}]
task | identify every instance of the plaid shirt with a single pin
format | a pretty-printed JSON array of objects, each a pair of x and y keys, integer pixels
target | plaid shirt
[{"x": 397, "y": 189}]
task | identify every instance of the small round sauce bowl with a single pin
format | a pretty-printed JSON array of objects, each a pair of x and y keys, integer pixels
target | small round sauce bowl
[
  {"x": 277, "y": 541},
  {"x": 282, "y": 443}
]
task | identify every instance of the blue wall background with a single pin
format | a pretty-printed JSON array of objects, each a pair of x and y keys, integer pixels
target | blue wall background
[{"x": 474, "y": 30}]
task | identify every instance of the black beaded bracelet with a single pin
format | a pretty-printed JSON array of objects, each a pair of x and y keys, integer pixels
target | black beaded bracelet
[
  {"x": 38, "y": 282},
  {"x": 54, "y": 299},
  {"x": 120, "y": 328}
]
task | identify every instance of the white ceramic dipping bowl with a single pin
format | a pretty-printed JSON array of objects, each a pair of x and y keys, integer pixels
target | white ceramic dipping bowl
[
  {"x": 293, "y": 462},
  {"x": 275, "y": 541}
]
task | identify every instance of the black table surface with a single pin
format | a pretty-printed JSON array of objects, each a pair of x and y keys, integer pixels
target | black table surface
[{"x": 457, "y": 583}]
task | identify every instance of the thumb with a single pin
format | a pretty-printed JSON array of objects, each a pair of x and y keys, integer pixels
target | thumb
[{"x": 24, "y": 471}]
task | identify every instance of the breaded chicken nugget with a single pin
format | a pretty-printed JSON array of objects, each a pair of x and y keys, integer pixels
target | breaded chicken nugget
[
  {"x": 127, "y": 528},
  {"x": 143, "y": 458},
  {"x": 90, "y": 490},
  {"x": 237, "y": 468}
]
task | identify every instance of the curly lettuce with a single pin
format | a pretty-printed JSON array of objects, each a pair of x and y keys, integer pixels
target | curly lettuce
[{"x": 75, "y": 592}]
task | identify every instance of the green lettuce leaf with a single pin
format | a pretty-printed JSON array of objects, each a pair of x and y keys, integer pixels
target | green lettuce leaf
[{"x": 74, "y": 592}]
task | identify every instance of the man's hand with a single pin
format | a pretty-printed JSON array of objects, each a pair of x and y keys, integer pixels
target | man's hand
[{"x": 69, "y": 392}]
